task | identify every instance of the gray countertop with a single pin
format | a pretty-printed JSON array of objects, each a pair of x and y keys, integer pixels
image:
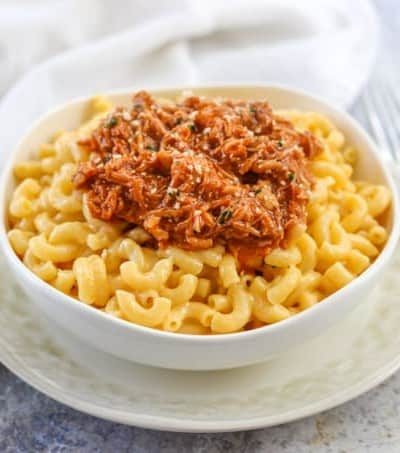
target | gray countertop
[{"x": 31, "y": 422}]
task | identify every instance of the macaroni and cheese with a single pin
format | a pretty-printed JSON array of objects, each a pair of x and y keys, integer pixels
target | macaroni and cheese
[{"x": 198, "y": 216}]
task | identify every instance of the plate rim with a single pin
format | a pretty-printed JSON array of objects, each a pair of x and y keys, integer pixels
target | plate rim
[{"x": 170, "y": 424}]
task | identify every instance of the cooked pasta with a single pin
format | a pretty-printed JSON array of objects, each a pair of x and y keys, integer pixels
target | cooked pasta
[{"x": 118, "y": 267}]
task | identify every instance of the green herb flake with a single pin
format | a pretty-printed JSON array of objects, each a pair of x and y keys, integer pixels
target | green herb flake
[
  {"x": 192, "y": 127},
  {"x": 178, "y": 121},
  {"x": 252, "y": 109},
  {"x": 292, "y": 176},
  {"x": 112, "y": 122},
  {"x": 172, "y": 192},
  {"x": 225, "y": 215},
  {"x": 279, "y": 143},
  {"x": 257, "y": 191},
  {"x": 151, "y": 148}
]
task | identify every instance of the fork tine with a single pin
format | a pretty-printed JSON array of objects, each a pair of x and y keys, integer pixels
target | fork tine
[
  {"x": 393, "y": 104},
  {"x": 393, "y": 113},
  {"x": 375, "y": 122},
  {"x": 373, "y": 105}
]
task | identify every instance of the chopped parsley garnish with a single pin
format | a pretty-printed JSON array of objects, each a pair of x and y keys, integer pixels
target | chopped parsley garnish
[
  {"x": 172, "y": 192},
  {"x": 225, "y": 215},
  {"x": 107, "y": 158},
  {"x": 151, "y": 148},
  {"x": 192, "y": 127},
  {"x": 112, "y": 122},
  {"x": 257, "y": 191},
  {"x": 292, "y": 176},
  {"x": 279, "y": 143},
  {"x": 179, "y": 121},
  {"x": 252, "y": 109}
]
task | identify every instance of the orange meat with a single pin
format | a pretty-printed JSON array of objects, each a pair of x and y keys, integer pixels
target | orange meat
[{"x": 200, "y": 172}]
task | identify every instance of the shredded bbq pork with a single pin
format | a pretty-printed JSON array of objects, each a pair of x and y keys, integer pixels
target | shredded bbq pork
[{"x": 200, "y": 172}]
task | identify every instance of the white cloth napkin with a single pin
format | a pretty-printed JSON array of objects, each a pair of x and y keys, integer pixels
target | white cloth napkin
[{"x": 324, "y": 46}]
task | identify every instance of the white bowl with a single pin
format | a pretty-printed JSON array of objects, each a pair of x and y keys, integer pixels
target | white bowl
[{"x": 189, "y": 352}]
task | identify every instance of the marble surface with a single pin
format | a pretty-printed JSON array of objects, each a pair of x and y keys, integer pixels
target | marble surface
[{"x": 31, "y": 422}]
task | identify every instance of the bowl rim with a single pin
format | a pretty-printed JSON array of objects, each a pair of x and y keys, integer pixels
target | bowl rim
[{"x": 129, "y": 327}]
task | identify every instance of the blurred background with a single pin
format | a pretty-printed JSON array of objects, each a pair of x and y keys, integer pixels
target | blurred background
[
  {"x": 324, "y": 46},
  {"x": 55, "y": 50}
]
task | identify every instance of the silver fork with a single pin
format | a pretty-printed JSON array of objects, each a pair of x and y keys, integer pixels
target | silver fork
[{"x": 381, "y": 107}]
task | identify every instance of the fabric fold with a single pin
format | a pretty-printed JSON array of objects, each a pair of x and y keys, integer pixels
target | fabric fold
[{"x": 325, "y": 47}]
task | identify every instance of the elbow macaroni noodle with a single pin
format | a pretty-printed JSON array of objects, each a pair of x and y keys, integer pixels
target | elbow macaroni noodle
[{"x": 198, "y": 292}]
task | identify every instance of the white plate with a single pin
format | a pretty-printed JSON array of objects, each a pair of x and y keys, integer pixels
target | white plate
[{"x": 344, "y": 362}]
